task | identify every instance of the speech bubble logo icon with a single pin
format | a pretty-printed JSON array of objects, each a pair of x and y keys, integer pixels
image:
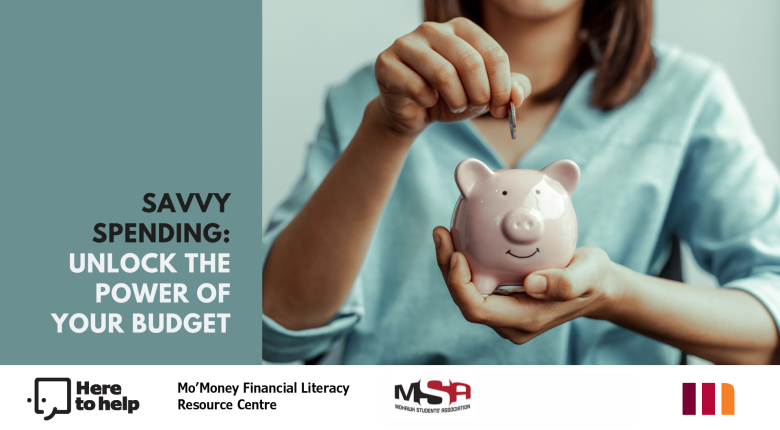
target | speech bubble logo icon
[{"x": 52, "y": 396}]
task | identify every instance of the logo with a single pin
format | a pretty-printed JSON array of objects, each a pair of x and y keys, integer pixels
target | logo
[
  {"x": 53, "y": 397},
  {"x": 52, "y": 394},
  {"x": 433, "y": 393},
  {"x": 707, "y": 398}
]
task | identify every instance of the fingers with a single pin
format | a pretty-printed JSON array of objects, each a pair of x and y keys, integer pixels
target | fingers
[
  {"x": 469, "y": 64},
  {"x": 548, "y": 302},
  {"x": 444, "y": 249},
  {"x": 459, "y": 62},
  {"x": 586, "y": 269},
  {"x": 495, "y": 60},
  {"x": 398, "y": 78},
  {"x": 440, "y": 73},
  {"x": 464, "y": 293},
  {"x": 492, "y": 311},
  {"x": 518, "y": 318},
  {"x": 457, "y": 274}
]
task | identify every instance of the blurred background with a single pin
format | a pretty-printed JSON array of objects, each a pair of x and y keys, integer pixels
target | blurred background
[{"x": 309, "y": 45}]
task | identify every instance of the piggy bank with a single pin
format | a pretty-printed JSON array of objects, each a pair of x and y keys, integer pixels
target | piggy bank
[{"x": 509, "y": 223}]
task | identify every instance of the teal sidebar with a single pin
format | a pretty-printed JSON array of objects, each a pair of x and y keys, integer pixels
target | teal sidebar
[{"x": 102, "y": 102}]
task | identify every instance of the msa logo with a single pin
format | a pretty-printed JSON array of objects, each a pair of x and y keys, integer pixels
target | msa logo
[
  {"x": 433, "y": 393},
  {"x": 707, "y": 399}
]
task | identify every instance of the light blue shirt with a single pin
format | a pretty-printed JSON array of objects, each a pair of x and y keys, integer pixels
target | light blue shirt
[{"x": 681, "y": 158}]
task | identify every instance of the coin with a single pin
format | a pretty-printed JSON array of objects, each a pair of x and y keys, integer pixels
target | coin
[{"x": 512, "y": 120}]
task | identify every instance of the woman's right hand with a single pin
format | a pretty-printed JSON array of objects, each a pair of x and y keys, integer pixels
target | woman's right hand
[{"x": 445, "y": 72}]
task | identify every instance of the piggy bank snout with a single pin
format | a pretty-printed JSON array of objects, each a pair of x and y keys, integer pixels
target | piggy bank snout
[{"x": 523, "y": 226}]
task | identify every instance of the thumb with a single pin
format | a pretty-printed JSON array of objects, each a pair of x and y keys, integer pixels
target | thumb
[{"x": 553, "y": 284}]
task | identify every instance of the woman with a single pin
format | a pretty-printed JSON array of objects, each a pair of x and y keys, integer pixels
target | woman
[{"x": 664, "y": 146}]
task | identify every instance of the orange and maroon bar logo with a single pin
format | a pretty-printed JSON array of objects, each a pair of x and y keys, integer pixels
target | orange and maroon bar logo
[{"x": 708, "y": 398}]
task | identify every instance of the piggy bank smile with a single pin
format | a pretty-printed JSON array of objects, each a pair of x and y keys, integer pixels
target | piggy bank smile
[
  {"x": 504, "y": 218},
  {"x": 527, "y": 256}
]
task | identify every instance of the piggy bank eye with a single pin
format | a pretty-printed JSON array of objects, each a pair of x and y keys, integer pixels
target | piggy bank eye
[
  {"x": 504, "y": 193},
  {"x": 538, "y": 192}
]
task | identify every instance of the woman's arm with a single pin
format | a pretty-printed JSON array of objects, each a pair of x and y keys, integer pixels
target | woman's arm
[
  {"x": 315, "y": 260},
  {"x": 440, "y": 72},
  {"x": 724, "y": 326}
]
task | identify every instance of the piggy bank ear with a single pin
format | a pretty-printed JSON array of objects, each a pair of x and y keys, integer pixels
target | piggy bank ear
[
  {"x": 468, "y": 173},
  {"x": 566, "y": 172}
]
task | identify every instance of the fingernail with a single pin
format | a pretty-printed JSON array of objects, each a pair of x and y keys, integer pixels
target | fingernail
[
  {"x": 453, "y": 261},
  {"x": 536, "y": 284},
  {"x": 500, "y": 112},
  {"x": 436, "y": 240},
  {"x": 461, "y": 110},
  {"x": 478, "y": 109}
]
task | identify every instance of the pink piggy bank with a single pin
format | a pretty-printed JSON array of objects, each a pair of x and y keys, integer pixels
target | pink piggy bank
[{"x": 512, "y": 222}]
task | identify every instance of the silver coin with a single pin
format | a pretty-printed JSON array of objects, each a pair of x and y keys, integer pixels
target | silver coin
[{"x": 512, "y": 120}]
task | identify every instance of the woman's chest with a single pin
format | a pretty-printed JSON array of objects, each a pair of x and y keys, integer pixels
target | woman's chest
[{"x": 532, "y": 121}]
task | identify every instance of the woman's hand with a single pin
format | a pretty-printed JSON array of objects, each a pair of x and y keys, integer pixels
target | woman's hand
[
  {"x": 445, "y": 72},
  {"x": 725, "y": 326},
  {"x": 552, "y": 296}
]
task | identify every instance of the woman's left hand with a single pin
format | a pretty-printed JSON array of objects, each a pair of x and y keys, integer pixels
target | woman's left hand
[{"x": 552, "y": 296}]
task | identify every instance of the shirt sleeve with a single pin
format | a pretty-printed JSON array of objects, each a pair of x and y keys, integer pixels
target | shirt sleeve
[
  {"x": 727, "y": 200},
  {"x": 279, "y": 343}
]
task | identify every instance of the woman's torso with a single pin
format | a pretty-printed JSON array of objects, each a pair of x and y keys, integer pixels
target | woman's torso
[{"x": 630, "y": 160}]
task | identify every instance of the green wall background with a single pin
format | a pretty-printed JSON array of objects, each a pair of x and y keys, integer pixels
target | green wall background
[{"x": 102, "y": 102}]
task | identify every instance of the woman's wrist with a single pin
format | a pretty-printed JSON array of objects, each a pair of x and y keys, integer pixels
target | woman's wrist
[
  {"x": 382, "y": 129},
  {"x": 721, "y": 325},
  {"x": 614, "y": 292},
  {"x": 377, "y": 143}
]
